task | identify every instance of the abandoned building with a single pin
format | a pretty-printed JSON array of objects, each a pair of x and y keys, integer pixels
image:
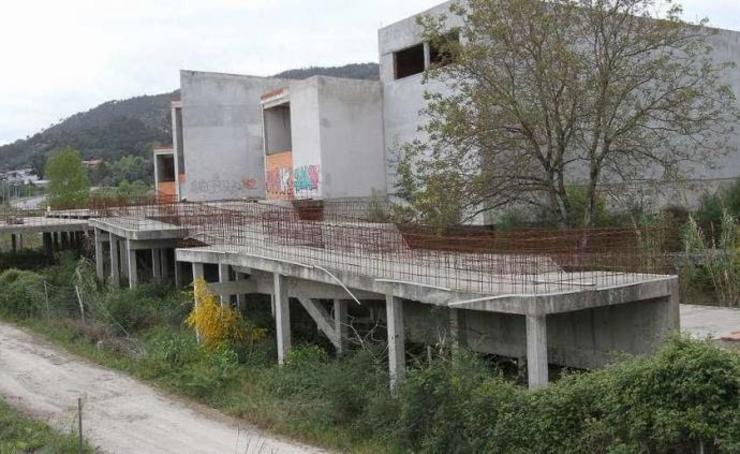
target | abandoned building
[{"x": 243, "y": 145}]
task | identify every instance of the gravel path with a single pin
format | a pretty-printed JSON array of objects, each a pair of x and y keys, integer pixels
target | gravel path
[{"x": 121, "y": 415}]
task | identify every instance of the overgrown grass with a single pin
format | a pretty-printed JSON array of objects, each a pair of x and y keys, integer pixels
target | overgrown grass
[
  {"x": 683, "y": 399},
  {"x": 20, "y": 434}
]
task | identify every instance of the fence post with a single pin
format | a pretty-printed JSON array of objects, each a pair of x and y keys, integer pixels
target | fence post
[{"x": 79, "y": 425}]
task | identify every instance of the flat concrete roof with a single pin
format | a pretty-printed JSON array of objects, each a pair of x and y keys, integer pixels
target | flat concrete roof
[
  {"x": 42, "y": 225},
  {"x": 602, "y": 290},
  {"x": 137, "y": 228}
]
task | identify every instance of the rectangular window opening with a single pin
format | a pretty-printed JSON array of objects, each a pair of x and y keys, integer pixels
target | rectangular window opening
[{"x": 409, "y": 61}]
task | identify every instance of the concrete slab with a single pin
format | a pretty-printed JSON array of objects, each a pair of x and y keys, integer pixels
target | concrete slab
[
  {"x": 42, "y": 224},
  {"x": 139, "y": 229}
]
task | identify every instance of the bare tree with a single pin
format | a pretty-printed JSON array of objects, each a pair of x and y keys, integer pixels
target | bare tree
[{"x": 549, "y": 94}]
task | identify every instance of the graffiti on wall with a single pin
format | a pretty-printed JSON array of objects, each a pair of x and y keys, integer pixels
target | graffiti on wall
[
  {"x": 279, "y": 176},
  {"x": 306, "y": 180}
]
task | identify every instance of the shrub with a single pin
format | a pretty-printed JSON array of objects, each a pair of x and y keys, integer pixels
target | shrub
[
  {"x": 217, "y": 324},
  {"x": 22, "y": 293}
]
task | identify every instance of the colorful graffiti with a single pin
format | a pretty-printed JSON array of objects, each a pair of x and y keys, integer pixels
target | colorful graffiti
[
  {"x": 279, "y": 176},
  {"x": 279, "y": 180},
  {"x": 306, "y": 179}
]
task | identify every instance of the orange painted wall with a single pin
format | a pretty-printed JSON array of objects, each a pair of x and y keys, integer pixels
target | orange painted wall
[{"x": 279, "y": 176}]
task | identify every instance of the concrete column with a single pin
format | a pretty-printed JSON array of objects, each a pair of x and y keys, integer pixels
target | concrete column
[
  {"x": 133, "y": 276},
  {"x": 396, "y": 340},
  {"x": 457, "y": 330},
  {"x": 124, "y": 259},
  {"x": 48, "y": 244},
  {"x": 198, "y": 271},
  {"x": 240, "y": 298},
  {"x": 178, "y": 275},
  {"x": 675, "y": 302},
  {"x": 13, "y": 242},
  {"x": 282, "y": 317},
  {"x": 157, "y": 265},
  {"x": 99, "y": 265},
  {"x": 537, "y": 350},
  {"x": 65, "y": 240},
  {"x": 20, "y": 241},
  {"x": 223, "y": 276},
  {"x": 115, "y": 274},
  {"x": 164, "y": 255},
  {"x": 340, "y": 325},
  {"x": 56, "y": 240}
]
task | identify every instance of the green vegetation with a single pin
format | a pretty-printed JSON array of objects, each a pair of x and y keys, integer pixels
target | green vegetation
[
  {"x": 20, "y": 434},
  {"x": 69, "y": 185},
  {"x": 685, "y": 398}
]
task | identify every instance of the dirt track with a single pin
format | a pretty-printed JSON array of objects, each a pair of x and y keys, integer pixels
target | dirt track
[{"x": 121, "y": 415}]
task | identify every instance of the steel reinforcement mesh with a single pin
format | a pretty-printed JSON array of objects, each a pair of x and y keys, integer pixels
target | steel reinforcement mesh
[{"x": 352, "y": 238}]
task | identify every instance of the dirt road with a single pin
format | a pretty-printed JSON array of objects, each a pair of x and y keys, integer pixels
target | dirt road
[{"x": 121, "y": 415}]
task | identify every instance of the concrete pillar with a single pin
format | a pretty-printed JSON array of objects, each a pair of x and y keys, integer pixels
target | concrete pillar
[
  {"x": 48, "y": 244},
  {"x": 133, "y": 275},
  {"x": 178, "y": 275},
  {"x": 115, "y": 274},
  {"x": 675, "y": 302},
  {"x": 198, "y": 271},
  {"x": 396, "y": 340},
  {"x": 240, "y": 298},
  {"x": 13, "y": 243},
  {"x": 157, "y": 265},
  {"x": 282, "y": 317},
  {"x": 65, "y": 240},
  {"x": 164, "y": 255},
  {"x": 537, "y": 350},
  {"x": 340, "y": 325},
  {"x": 223, "y": 276},
  {"x": 457, "y": 330},
  {"x": 99, "y": 265},
  {"x": 56, "y": 241},
  {"x": 20, "y": 241}
]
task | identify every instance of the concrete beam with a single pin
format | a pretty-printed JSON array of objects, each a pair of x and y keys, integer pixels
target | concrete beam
[
  {"x": 152, "y": 244},
  {"x": 322, "y": 318},
  {"x": 241, "y": 287},
  {"x": 396, "y": 340},
  {"x": 537, "y": 372},
  {"x": 282, "y": 317}
]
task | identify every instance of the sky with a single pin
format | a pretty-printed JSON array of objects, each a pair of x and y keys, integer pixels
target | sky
[{"x": 61, "y": 57}]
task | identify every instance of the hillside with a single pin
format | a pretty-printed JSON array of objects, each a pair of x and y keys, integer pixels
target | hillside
[{"x": 121, "y": 127}]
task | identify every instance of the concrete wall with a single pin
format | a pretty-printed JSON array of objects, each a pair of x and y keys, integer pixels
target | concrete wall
[
  {"x": 352, "y": 157},
  {"x": 403, "y": 100},
  {"x": 582, "y": 339},
  {"x": 305, "y": 119},
  {"x": 222, "y": 135}
]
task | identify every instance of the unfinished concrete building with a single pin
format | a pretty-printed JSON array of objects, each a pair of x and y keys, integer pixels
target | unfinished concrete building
[{"x": 405, "y": 55}]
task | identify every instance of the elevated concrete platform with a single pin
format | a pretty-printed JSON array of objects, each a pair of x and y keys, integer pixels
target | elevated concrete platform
[
  {"x": 28, "y": 225},
  {"x": 139, "y": 229},
  {"x": 584, "y": 324}
]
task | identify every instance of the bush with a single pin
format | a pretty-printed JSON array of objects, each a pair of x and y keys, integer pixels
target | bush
[
  {"x": 685, "y": 397},
  {"x": 22, "y": 294}
]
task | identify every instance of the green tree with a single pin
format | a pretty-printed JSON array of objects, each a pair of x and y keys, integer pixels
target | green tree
[
  {"x": 69, "y": 185},
  {"x": 544, "y": 95}
]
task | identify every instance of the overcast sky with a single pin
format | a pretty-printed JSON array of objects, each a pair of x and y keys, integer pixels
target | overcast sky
[{"x": 60, "y": 57}]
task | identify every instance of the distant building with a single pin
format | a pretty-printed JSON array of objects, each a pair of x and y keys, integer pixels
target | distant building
[
  {"x": 19, "y": 177},
  {"x": 92, "y": 163}
]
